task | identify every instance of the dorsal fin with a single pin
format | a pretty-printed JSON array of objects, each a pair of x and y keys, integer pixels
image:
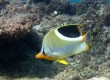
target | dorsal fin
[{"x": 71, "y": 30}]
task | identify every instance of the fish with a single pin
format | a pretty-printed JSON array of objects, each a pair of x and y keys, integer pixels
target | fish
[{"x": 64, "y": 41}]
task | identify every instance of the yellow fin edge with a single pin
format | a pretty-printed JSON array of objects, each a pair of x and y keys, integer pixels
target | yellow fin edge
[{"x": 62, "y": 61}]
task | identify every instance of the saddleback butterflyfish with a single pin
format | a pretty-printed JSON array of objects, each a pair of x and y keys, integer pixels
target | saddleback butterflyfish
[{"x": 64, "y": 41}]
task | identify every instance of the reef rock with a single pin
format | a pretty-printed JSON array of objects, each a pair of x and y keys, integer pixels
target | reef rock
[{"x": 17, "y": 18}]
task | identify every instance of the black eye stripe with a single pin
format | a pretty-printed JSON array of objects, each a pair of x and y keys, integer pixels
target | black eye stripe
[{"x": 43, "y": 52}]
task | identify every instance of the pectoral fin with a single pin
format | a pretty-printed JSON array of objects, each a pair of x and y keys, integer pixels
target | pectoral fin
[{"x": 62, "y": 61}]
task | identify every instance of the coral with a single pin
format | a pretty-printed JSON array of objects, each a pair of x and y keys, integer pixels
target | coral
[
  {"x": 14, "y": 30},
  {"x": 107, "y": 20},
  {"x": 62, "y": 7},
  {"x": 36, "y": 1},
  {"x": 79, "y": 8},
  {"x": 19, "y": 53},
  {"x": 56, "y": 21},
  {"x": 99, "y": 78},
  {"x": 17, "y": 20}
]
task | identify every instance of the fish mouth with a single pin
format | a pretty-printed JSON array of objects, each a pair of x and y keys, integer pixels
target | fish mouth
[
  {"x": 38, "y": 55},
  {"x": 41, "y": 56}
]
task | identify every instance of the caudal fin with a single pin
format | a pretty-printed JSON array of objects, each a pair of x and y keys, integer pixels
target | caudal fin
[{"x": 87, "y": 37}]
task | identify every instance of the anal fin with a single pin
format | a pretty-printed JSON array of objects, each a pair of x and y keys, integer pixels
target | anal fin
[{"x": 62, "y": 61}]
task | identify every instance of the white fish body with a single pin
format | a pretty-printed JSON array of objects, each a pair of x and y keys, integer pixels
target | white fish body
[{"x": 58, "y": 46}]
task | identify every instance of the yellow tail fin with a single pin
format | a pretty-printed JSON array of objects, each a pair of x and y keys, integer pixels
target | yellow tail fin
[{"x": 87, "y": 37}]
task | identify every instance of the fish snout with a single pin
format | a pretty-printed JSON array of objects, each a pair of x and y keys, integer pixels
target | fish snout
[
  {"x": 41, "y": 56},
  {"x": 38, "y": 55}
]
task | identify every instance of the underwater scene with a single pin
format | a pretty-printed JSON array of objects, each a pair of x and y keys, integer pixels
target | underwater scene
[{"x": 54, "y": 39}]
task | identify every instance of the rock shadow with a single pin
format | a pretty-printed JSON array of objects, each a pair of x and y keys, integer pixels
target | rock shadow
[{"x": 17, "y": 60}]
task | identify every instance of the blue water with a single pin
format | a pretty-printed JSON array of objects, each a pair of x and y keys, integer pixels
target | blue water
[
  {"x": 77, "y": 1},
  {"x": 108, "y": 0}
]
